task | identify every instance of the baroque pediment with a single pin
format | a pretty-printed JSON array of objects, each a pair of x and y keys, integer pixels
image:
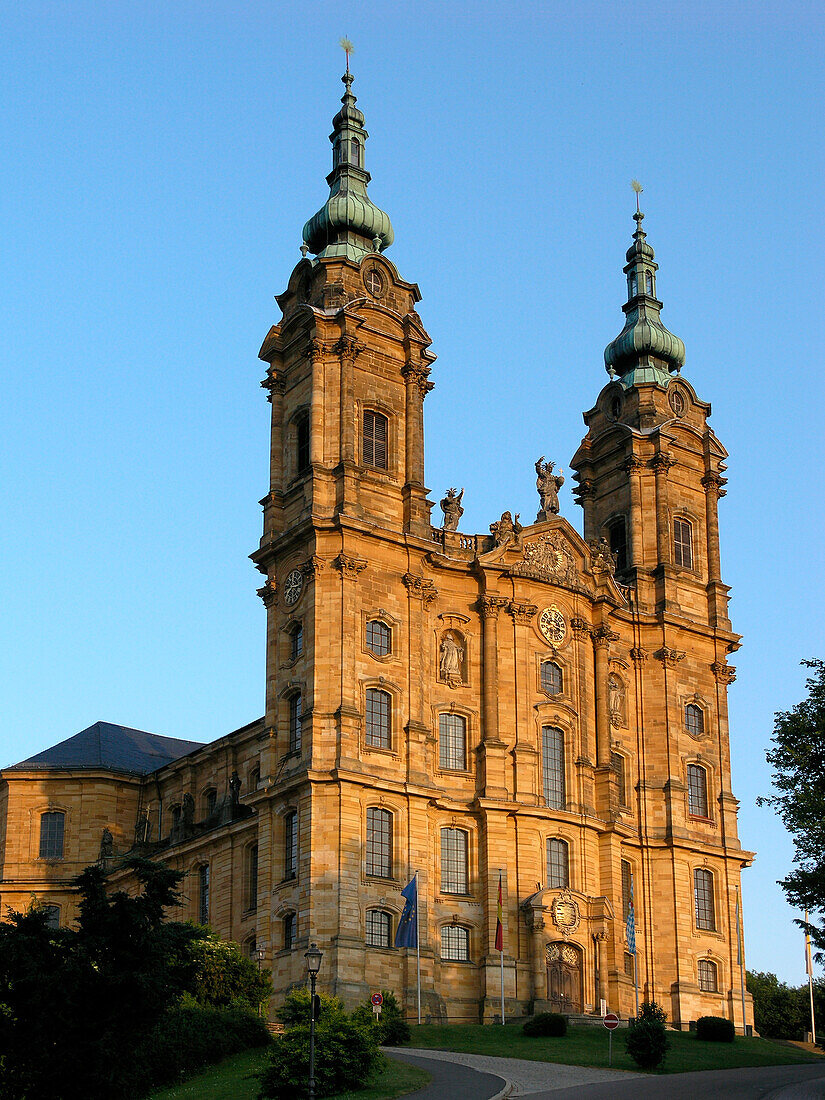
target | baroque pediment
[{"x": 550, "y": 556}]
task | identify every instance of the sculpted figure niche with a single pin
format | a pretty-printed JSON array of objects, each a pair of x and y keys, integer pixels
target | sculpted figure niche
[
  {"x": 451, "y": 658},
  {"x": 616, "y": 699},
  {"x": 451, "y": 507},
  {"x": 548, "y": 485}
]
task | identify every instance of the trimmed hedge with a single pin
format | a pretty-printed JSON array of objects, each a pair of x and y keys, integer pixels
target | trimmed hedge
[
  {"x": 545, "y": 1024},
  {"x": 715, "y": 1029}
]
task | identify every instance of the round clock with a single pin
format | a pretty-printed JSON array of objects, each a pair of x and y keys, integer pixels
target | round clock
[
  {"x": 551, "y": 624},
  {"x": 293, "y": 585}
]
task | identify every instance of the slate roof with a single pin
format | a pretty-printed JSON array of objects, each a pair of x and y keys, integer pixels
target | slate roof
[{"x": 116, "y": 748}]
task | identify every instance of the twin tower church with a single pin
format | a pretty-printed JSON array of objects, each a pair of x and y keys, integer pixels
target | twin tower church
[{"x": 525, "y": 705}]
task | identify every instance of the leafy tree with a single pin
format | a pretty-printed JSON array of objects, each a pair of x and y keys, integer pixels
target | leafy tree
[
  {"x": 223, "y": 975},
  {"x": 779, "y": 1011},
  {"x": 798, "y": 761},
  {"x": 393, "y": 1029},
  {"x": 646, "y": 1040}
]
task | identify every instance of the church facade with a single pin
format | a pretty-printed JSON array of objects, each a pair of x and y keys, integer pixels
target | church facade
[{"x": 525, "y": 711}]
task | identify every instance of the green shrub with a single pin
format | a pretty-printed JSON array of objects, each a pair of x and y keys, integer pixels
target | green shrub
[
  {"x": 546, "y": 1023},
  {"x": 392, "y": 1028},
  {"x": 346, "y": 1053},
  {"x": 294, "y": 1012},
  {"x": 715, "y": 1029},
  {"x": 646, "y": 1041}
]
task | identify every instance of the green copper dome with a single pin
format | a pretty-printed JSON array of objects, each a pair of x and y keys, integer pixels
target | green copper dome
[
  {"x": 348, "y": 224},
  {"x": 644, "y": 351}
]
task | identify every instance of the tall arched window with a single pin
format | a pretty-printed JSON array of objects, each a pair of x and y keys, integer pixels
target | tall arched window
[
  {"x": 52, "y": 915},
  {"x": 697, "y": 790},
  {"x": 694, "y": 720},
  {"x": 355, "y": 151},
  {"x": 627, "y": 885},
  {"x": 379, "y": 842},
  {"x": 203, "y": 894},
  {"x": 683, "y": 542},
  {"x": 252, "y": 877},
  {"x": 291, "y": 844},
  {"x": 296, "y": 641},
  {"x": 455, "y": 943},
  {"x": 290, "y": 930},
  {"x": 703, "y": 899},
  {"x": 379, "y": 638},
  {"x": 51, "y": 834},
  {"x": 649, "y": 283},
  {"x": 454, "y": 862},
  {"x": 552, "y": 766},
  {"x": 708, "y": 976},
  {"x": 550, "y": 677},
  {"x": 617, "y": 538},
  {"x": 302, "y": 443},
  {"x": 295, "y": 709},
  {"x": 617, "y": 763},
  {"x": 378, "y": 928},
  {"x": 558, "y": 863},
  {"x": 375, "y": 437},
  {"x": 379, "y": 724},
  {"x": 210, "y": 800},
  {"x": 452, "y": 741}
]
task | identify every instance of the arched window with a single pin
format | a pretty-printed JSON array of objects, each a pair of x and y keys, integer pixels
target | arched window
[
  {"x": 175, "y": 811},
  {"x": 694, "y": 720},
  {"x": 252, "y": 876},
  {"x": 452, "y": 742},
  {"x": 355, "y": 151},
  {"x": 377, "y": 929},
  {"x": 255, "y": 777},
  {"x": 454, "y": 862},
  {"x": 51, "y": 834},
  {"x": 302, "y": 443},
  {"x": 627, "y": 885},
  {"x": 291, "y": 844},
  {"x": 455, "y": 943},
  {"x": 379, "y": 842},
  {"x": 52, "y": 915},
  {"x": 550, "y": 677},
  {"x": 558, "y": 863},
  {"x": 379, "y": 725},
  {"x": 552, "y": 766},
  {"x": 703, "y": 899},
  {"x": 697, "y": 790},
  {"x": 628, "y": 964},
  {"x": 203, "y": 894},
  {"x": 708, "y": 976},
  {"x": 649, "y": 283},
  {"x": 375, "y": 437},
  {"x": 290, "y": 930},
  {"x": 210, "y": 799},
  {"x": 296, "y": 641},
  {"x": 295, "y": 708},
  {"x": 632, "y": 286},
  {"x": 617, "y": 538},
  {"x": 617, "y": 763},
  {"x": 379, "y": 638},
  {"x": 683, "y": 542}
]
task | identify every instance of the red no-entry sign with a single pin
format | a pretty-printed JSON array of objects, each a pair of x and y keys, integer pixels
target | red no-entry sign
[
  {"x": 611, "y": 1021},
  {"x": 377, "y": 999}
]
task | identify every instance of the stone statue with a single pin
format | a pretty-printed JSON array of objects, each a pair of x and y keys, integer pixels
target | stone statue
[
  {"x": 616, "y": 699},
  {"x": 548, "y": 485},
  {"x": 506, "y": 530},
  {"x": 107, "y": 845},
  {"x": 602, "y": 558},
  {"x": 451, "y": 507},
  {"x": 188, "y": 811},
  {"x": 452, "y": 658},
  {"x": 235, "y": 788},
  {"x": 142, "y": 827}
]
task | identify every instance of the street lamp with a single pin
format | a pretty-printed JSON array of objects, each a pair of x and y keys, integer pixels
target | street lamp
[{"x": 313, "y": 958}]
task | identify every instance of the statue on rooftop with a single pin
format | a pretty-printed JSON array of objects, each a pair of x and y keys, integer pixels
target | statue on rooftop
[
  {"x": 548, "y": 485},
  {"x": 451, "y": 507}
]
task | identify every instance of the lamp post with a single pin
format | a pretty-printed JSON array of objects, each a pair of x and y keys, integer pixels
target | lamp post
[
  {"x": 260, "y": 955},
  {"x": 313, "y": 958}
]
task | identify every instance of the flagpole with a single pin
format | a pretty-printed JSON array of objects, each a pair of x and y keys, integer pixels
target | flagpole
[
  {"x": 635, "y": 951},
  {"x": 417, "y": 947},
  {"x": 741, "y": 960},
  {"x": 810, "y": 969}
]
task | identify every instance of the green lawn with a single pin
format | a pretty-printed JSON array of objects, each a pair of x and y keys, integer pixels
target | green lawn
[
  {"x": 234, "y": 1080},
  {"x": 587, "y": 1046}
]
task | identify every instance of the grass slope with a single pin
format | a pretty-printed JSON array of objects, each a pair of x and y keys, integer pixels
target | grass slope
[
  {"x": 587, "y": 1046},
  {"x": 234, "y": 1079}
]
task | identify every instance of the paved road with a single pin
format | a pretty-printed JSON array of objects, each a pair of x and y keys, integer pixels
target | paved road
[{"x": 476, "y": 1077}]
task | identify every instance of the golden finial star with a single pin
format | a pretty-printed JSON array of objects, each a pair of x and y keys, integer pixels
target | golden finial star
[
  {"x": 637, "y": 187},
  {"x": 347, "y": 47}
]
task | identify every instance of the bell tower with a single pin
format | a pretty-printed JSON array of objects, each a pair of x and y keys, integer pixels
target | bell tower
[{"x": 650, "y": 469}]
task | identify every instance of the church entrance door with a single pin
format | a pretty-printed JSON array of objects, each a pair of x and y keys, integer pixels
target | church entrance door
[{"x": 564, "y": 977}]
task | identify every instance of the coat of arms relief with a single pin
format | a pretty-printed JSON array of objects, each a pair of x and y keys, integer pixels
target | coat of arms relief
[{"x": 548, "y": 558}]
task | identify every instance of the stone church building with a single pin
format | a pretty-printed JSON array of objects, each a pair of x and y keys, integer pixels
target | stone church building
[{"x": 522, "y": 705}]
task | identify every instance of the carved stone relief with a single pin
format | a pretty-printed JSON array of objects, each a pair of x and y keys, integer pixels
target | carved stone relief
[
  {"x": 451, "y": 658},
  {"x": 548, "y": 558}
]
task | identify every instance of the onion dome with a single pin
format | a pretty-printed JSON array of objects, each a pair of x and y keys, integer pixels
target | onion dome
[
  {"x": 644, "y": 351},
  {"x": 348, "y": 224}
]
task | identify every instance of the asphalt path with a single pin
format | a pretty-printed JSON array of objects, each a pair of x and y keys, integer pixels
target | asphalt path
[{"x": 451, "y": 1081}]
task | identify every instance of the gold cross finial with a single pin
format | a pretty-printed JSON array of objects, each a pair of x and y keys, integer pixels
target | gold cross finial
[{"x": 347, "y": 47}]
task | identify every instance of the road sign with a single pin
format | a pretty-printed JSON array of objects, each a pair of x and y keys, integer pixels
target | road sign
[
  {"x": 611, "y": 1021},
  {"x": 378, "y": 999}
]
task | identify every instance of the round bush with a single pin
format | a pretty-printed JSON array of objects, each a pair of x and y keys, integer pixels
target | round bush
[
  {"x": 346, "y": 1053},
  {"x": 646, "y": 1042},
  {"x": 393, "y": 1030},
  {"x": 545, "y": 1024},
  {"x": 715, "y": 1029}
]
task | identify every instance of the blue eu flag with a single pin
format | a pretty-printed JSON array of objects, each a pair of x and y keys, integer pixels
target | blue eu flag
[{"x": 407, "y": 933}]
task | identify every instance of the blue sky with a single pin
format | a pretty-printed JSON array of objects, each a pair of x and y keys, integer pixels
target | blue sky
[{"x": 159, "y": 162}]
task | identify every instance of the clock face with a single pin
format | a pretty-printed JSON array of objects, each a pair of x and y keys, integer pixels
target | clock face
[
  {"x": 552, "y": 626},
  {"x": 293, "y": 585}
]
